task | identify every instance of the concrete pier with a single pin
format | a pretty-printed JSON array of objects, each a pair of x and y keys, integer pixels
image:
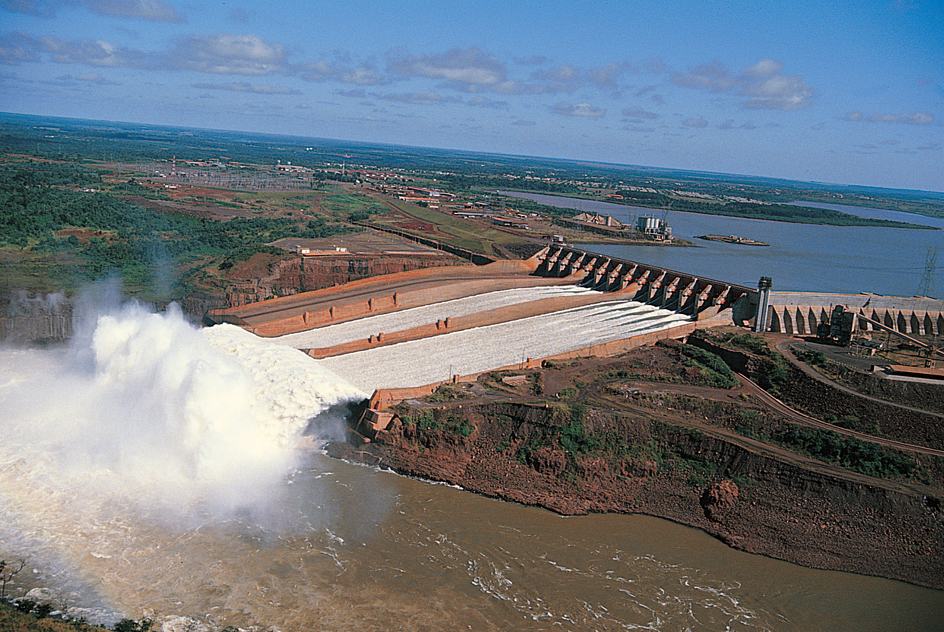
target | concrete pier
[{"x": 684, "y": 293}]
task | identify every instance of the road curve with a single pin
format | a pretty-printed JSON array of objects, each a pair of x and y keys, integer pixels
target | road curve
[{"x": 806, "y": 420}]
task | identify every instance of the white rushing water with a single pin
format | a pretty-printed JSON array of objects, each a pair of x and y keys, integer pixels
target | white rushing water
[
  {"x": 471, "y": 351},
  {"x": 397, "y": 321},
  {"x": 153, "y": 468},
  {"x": 146, "y": 415}
]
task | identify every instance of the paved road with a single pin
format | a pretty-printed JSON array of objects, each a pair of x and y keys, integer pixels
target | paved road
[{"x": 784, "y": 348}]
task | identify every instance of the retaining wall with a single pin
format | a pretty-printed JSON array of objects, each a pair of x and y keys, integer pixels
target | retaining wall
[{"x": 801, "y": 313}]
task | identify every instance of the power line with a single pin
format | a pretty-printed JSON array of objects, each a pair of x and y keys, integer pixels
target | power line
[{"x": 927, "y": 281}]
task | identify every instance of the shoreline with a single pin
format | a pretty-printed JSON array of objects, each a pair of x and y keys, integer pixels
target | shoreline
[{"x": 762, "y": 518}]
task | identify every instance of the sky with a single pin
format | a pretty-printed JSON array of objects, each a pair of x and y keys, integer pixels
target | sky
[{"x": 837, "y": 91}]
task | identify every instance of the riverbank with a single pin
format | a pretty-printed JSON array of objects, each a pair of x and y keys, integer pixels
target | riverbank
[{"x": 669, "y": 451}]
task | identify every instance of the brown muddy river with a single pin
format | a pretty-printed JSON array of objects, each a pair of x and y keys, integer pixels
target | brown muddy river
[{"x": 155, "y": 469}]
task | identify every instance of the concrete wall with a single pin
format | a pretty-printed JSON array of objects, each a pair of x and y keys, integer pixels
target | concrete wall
[
  {"x": 334, "y": 307},
  {"x": 801, "y": 313}
]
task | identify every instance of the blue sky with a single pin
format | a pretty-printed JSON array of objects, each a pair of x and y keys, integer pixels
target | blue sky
[{"x": 837, "y": 91}]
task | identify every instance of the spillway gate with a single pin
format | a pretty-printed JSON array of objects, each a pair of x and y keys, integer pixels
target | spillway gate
[{"x": 684, "y": 293}]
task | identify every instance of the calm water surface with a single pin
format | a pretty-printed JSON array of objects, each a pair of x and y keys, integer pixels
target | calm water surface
[{"x": 801, "y": 257}]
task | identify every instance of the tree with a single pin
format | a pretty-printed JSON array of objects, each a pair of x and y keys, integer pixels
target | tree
[
  {"x": 130, "y": 625},
  {"x": 7, "y": 572}
]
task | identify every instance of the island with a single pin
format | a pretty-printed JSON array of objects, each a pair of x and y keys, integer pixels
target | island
[{"x": 732, "y": 239}]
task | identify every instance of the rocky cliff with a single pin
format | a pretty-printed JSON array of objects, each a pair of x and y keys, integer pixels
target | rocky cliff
[
  {"x": 573, "y": 461},
  {"x": 304, "y": 274}
]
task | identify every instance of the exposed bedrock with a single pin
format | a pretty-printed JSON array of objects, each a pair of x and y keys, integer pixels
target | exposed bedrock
[{"x": 807, "y": 513}]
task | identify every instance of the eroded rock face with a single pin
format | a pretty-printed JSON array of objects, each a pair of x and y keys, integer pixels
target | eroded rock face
[
  {"x": 640, "y": 469},
  {"x": 548, "y": 461},
  {"x": 719, "y": 497},
  {"x": 809, "y": 516},
  {"x": 305, "y": 274}
]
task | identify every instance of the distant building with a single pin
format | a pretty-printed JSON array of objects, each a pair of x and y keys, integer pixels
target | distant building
[
  {"x": 598, "y": 220},
  {"x": 654, "y": 227}
]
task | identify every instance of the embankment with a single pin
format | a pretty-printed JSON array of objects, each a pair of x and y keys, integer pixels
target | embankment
[
  {"x": 574, "y": 460},
  {"x": 819, "y": 398},
  {"x": 306, "y": 274}
]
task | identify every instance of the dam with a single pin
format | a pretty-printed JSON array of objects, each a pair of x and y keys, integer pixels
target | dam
[
  {"x": 583, "y": 303},
  {"x": 330, "y": 545},
  {"x": 562, "y": 302}
]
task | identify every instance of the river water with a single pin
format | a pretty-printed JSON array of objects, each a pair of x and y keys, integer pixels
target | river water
[
  {"x": 154, "y": 468},
  {"x": 800, "y": 257}
]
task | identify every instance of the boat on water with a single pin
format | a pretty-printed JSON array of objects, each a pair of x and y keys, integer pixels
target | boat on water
[{"x": 732, "y": 239}]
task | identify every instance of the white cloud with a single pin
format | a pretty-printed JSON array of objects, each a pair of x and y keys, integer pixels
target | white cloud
[
  {"x": 468, "y": 69},
  {"x": 18, "y": 47},
  {"x": 152, "y": 10},
  {"x": 483, "y": 102},
  {"x": 242, "y": 86},
  {"x": 98, "y": 53},
  {"x": 578, "y": 109},
  {"x": 639, "y": 114},
  {"x": 95, "y": 78},
  {"x": 563, "y": 78},
  {"x": 763, "y": 85},
  {"x": 713, "y": 77},
  {"x": 419, "y": 98},
  {"x": 914, "y": 118},
  {"x": 606, "y": 76},
  {"x": 228, "y": 54},
  {"x": 767, "y": 87}
]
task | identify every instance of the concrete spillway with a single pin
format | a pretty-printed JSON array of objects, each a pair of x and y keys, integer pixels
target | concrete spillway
[
  {"x": 685, "y": 293},
  {"x": 415, "y": 329},
  {"x": 362, "y": 328},
  {"x": 475, "y": 350}
]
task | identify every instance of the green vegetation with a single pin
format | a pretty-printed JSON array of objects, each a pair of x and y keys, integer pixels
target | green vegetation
[
  {"x": 852, "y": 422},
  {"x": 747, "y": 342},
  {"x": 813, "y": 358},
  {"x": 61, "y": 211},
  {"x": 352, "y": 207},
  {"x": 130, "y": 625},
  {"x": 773, "y": 375},
  {"x": 574, "y": 438},
  {"x": 26, "y": 616},
  {"x": 714, "y": 371},
  {"x": 431, "y": 421},
  {"x": 860, "y": 456},
  {"x": 451, "y": 229}
]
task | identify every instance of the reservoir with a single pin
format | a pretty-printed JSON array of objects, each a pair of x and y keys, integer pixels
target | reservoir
[{"x": 801, "y": 257}]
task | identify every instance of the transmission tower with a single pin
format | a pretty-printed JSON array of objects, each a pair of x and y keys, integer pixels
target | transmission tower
[{"x": 927, "y": 281}]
